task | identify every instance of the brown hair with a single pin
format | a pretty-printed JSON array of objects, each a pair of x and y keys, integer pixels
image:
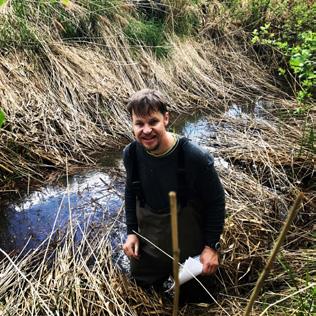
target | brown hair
[{"x": 146, "y": 101}]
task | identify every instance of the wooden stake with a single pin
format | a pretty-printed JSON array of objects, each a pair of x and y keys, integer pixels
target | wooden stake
[
  {"x": 176, "y": 250},
  {"x": 291, "y": 215}
]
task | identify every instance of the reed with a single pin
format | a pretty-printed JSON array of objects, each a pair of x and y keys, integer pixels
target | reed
[{"x": 175, "y": 250}]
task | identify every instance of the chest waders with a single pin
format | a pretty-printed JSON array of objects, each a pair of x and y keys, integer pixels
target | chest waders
[{"x": 153, "y": 266}]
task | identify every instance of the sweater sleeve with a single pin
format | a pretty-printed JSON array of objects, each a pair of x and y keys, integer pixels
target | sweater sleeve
[
  {"x": 211, "y": 192},
  {"x": 130, "y": 198}
]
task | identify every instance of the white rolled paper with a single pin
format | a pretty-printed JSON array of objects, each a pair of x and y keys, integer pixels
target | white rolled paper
[{"x": 191, "y": 268}]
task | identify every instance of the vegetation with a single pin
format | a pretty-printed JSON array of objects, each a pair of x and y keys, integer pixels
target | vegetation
[
  {"x": 96, "y": 72},
  {"x": 299, "y": 57},
  {"x": 147, "y": 33},
  {"x": 66, "y": 70},
  {"x": 288, "y": 28},
  {"x": 29, "y": 23}
]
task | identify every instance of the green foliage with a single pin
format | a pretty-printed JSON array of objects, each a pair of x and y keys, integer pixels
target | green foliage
[
  {"x": 28, "y": 24},
  {"x": 16, "y": 32},
  {"x": 102, "y": 7},
  {"x": 2, "y": 118},
  {"x": 303, "y": 302},
  {"x": 288, "y": 29},
  {"x": 299, "y": 55},
  {"x": 289, "y": 16},
  {"x": 150, "y": 24},
  {"x": 33, "y": 23},
  {"x": 251, "y": 14},
  {"x": 302, "y": 62},
  {"x": 309, "y": 138},
  {"x": 301, "y": 17},
  {"x": 258, "y": 10},
  {"x": 150, "y": 33}
]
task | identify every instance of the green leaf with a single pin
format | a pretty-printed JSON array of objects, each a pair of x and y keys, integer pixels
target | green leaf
[
  {"x": 296, "y": 62},
  {"x": 2, "y": 118},
  {"x": 2, "y": 2},
  {"x": 281, "y": 71},
  {"x": 65, "y": 2}
]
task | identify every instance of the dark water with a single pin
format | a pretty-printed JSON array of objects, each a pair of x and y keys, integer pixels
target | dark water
[{"x": 93, "y": 196}]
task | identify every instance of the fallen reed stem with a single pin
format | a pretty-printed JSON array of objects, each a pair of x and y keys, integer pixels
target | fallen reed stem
[{"x": 277, "y": 245}]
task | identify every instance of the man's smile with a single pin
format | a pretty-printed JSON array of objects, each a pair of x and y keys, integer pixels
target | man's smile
[
  {"x": 148, "y": 137},
  {"x": 148, "y": 140}
]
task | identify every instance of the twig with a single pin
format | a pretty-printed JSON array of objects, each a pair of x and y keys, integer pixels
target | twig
[
  {"x": 176, "y": 251},
  {"x": 277, "y": 245}
]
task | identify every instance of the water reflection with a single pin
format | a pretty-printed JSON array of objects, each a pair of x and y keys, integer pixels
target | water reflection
[
  {"x": 258, "y": 110},
  {"x": 93, "y": 195}
]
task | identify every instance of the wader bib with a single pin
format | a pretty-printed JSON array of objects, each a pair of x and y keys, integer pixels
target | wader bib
[{"x": 153, "y": 266}]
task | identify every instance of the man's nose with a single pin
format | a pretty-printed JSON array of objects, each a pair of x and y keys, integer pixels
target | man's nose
[{"x": 147, "y": 129}]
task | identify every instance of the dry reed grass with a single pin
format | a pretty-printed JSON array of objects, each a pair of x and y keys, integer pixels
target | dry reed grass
[
  {"x": 67, "y": 277},
  {"x": 267, "y": 168},
  {"x": 68, "y": 102},
  {"x": 68, "y": 99}
]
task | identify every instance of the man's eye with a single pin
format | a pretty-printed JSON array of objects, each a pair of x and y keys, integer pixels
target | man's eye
[{"x": 153, "y": 122}]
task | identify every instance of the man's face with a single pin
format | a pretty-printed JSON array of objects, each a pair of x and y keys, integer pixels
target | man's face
[{"x": 150, "y": 130}]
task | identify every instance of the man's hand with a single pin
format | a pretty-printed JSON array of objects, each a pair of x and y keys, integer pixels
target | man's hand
[
  {"x": 131, "y": 246},
  {"x": 210, "y": 260}
]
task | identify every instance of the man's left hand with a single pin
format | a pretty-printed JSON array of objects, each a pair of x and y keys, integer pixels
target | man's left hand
[{"x": 210, "y": 260}]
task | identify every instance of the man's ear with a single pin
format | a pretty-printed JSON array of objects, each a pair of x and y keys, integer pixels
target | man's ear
[{"x": 166, "y": 119}]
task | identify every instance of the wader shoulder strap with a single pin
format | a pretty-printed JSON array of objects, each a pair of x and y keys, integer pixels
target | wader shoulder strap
[
  {"x": 136, "y": 185},
  {"x": 181, "y": 174}
]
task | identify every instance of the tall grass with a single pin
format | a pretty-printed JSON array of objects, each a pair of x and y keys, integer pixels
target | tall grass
[{"x": 30, "y": 23}]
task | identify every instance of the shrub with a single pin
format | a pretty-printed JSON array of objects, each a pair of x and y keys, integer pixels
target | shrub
[
  {"x": 288, "y": 28},
  {"x": 299, "y": 57}
]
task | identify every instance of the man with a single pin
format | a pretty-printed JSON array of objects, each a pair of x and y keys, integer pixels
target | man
[{"x": 156, "y": 163}]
